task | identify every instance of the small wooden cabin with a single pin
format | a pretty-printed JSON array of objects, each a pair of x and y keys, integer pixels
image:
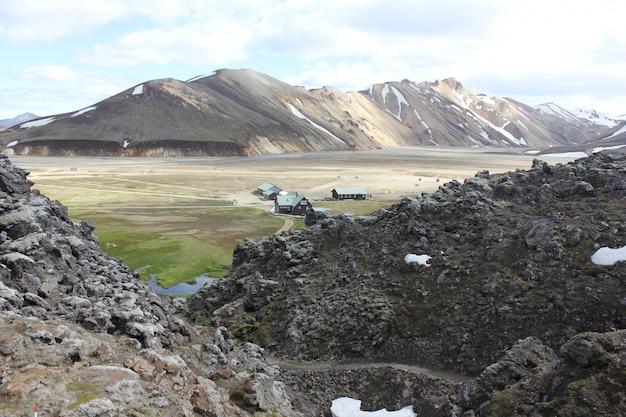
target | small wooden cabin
[
  {"x": 267, "y": 191},
  {"x": 350, "y": 194}
]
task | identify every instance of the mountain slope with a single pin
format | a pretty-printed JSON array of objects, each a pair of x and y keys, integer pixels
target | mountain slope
[
  {"x": 243, "y": 112},
  {"x": 446, "y": 113}
]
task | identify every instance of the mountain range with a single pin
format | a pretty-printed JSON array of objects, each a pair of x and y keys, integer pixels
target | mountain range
[{"x": 244, "y": 112}]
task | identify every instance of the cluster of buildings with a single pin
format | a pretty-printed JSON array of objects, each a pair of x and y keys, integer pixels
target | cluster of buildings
[{"x": 292, "y": 202}]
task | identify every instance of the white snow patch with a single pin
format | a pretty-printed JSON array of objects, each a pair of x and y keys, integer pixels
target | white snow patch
[
  {"x": 618, "y": 132},
  {"x": 567, "y": 155},
  {"x": 12, "y": 143},
  {"x": 199, "y": 77},
  {"x": 519, "y": 122},
  {"x": 419, "y": 259},
  {"x": 138, "y": 90},
  {"x": 520, "y": 142},
  {"x": 555, "y": 110},
  {"x": 606, "y": 148},
  {"x": 35, "y": 123},
  {"x": 315, "y": 125},
  {"x": 350, "y": 407},
  {"x": 595, "y": 117},
  {"x": 384, "y": 92},
  {"x": 417, "y": 88},
  {"x": 83, "y": 111},
  {"x": 609, "y": 256},
  {"x": 399, "y": 97}
]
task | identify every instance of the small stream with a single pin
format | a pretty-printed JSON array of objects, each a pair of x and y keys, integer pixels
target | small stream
[{"x": 182, "y": 288}]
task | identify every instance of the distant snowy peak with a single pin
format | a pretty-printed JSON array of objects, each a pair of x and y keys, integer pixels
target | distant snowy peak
[
  {"x": 17, "y": 120},
  {"x": 588, "y": 115},
  {"x": 597, "y": 118}
]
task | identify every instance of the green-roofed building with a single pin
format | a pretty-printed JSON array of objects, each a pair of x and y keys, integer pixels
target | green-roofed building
[
  {"x": 268, "y": 191},
  {"x": 354, "y": 193},
  {"x": 291, "y": 203}
]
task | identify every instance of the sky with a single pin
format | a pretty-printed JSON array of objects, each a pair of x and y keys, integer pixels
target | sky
[{"x": 65, "y": 55}]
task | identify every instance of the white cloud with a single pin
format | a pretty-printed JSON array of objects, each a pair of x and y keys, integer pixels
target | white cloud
[
  {"x": 50, "y": 72},
  {"x": 570, "y": 51},
  {"x": 98, "y": 91},
  {"x": 198, "y": 44},
  {"x": 26, "y": 21}
]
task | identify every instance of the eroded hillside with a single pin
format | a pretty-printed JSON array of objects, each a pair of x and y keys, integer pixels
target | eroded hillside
[{"x": 243, "y": 112}]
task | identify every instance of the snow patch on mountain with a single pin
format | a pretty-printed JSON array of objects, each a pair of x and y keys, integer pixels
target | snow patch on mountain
[
  {"x": 199, "y": 77},
  {"x": 297, "y": 113},
  {"x": 39, "y": 122},
  {"x": 555, "y": 110},
  {"x": 83, "y": 111},
  {"x": 618, "y": 132},
  {"x": 25, "y": 117},
  {"x": 595, "y": 117}
]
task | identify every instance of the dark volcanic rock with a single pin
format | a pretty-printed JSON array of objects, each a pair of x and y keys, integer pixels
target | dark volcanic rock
[
  {"x": 510, "y": 259},
  {"x": 586, "y": 377},
  {"x": 80, "y": 334},
  {"x": 509, "y": 280}
]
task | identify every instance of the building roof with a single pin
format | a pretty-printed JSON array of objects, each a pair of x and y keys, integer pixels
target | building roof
[
  {"x": 289, "y": 199},
  {"x": 354, "y": 190},
  {"x": 268, "y": 186}
]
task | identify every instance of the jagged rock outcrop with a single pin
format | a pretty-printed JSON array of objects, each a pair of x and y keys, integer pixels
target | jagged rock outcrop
[
  {"x": 80, "y": 334},
  {"x": 584, "y": 377},
  {"x": 509, "y": 258}
]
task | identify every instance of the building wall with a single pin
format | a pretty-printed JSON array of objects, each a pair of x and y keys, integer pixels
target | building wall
[{"x": 348, "y": 196}]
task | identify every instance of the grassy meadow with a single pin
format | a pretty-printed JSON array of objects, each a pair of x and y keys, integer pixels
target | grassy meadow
[
  {"x": 176, "y": 225},
  {"x": 177, "y": 244},
  {"x": 179, "y": 218}
]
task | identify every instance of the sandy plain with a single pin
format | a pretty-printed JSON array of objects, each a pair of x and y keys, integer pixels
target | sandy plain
[
  {"x": 387, "y": 174},
  {"x": 191, "y": 212}
]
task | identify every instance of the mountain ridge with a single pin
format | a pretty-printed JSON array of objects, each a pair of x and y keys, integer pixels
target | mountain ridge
[{"x": 244, "y": 112}]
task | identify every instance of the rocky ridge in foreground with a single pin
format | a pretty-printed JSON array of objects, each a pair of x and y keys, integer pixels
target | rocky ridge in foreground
[
  {"x": 509, "y": 258},
  {"x": 80, "y": 334}
]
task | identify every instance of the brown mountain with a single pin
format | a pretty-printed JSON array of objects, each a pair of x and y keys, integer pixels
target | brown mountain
[{"x": 243, "y": 112}]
